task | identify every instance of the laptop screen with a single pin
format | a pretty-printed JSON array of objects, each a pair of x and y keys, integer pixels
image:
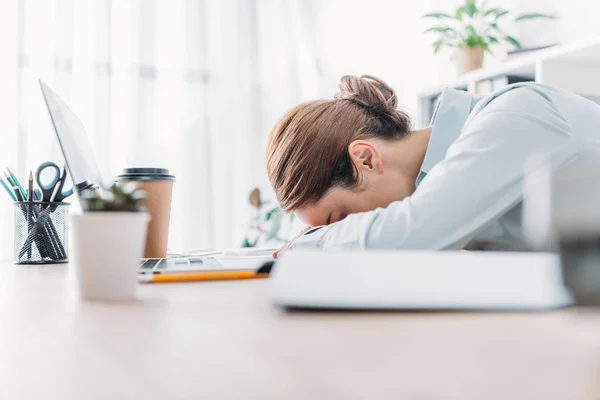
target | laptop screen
[{"x": 79, "y": 156}]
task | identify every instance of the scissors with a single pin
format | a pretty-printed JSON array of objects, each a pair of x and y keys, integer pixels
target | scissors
[{"x": 56, "y": 184}]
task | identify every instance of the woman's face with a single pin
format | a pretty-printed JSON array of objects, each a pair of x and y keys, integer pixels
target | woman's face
[
  {"x": 388, "y": 170},
  {"x": 380, "y": 191}
]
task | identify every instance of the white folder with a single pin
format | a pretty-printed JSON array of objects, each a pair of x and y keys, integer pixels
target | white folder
[{"x": 419, "y": 280}]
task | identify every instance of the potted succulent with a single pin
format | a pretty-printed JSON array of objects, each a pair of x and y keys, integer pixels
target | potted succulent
[
  {"x": 472, "y": 29},
  {"x": 109, "y": 239}
]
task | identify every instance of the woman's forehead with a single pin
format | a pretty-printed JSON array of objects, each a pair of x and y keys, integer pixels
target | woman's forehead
[{"x": 318, "y": 213}]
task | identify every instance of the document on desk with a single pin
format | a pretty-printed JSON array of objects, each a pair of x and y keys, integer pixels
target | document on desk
[{"x": 418, "y": 280}]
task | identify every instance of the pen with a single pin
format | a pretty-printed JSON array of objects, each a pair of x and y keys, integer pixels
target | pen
[
  {"x": 10, "y": 193},
  {"x": 201, "y": 276}
]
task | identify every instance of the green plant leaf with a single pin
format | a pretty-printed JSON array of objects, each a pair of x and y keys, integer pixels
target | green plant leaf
[
  {"x": 501, "y": 14},
  {"x": 512, "y": 41},
  {"x": 459, "y": 13},
  {"x": 270, "y": 214},
  {"x": 492, "y": 39},
  {"x": 470, "y": 8},
  {"x": 247, "y": 243},
  {"x": 117, "y": 198},
  {"x": 534, "y": 16},
  {"x": 437, "y": 46},
  {"x": 473, "y": 39},
  {"x": 275, "y": 227},
  {"x": 438, "y": 15},
  {"x": 493, "y": 11},
  {"x": 438, "y": 29}
]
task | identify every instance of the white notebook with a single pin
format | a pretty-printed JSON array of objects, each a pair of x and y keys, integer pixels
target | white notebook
[{"x": 419, "y": 280}]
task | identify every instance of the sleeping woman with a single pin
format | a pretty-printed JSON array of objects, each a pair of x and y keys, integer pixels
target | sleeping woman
[{"x": 355, "y": 171}]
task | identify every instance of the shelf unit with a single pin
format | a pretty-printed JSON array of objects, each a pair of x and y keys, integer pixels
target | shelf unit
[{"x": 574, "y": 66}]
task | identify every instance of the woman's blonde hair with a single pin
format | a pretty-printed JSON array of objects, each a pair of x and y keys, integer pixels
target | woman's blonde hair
[{"x": 307, "y": 152}]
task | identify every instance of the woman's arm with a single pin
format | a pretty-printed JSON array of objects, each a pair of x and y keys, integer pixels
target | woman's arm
[{"x": 479, "y": 180}]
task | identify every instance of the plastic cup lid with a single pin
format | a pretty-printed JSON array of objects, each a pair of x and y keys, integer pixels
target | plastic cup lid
[{"x": 146, "y": 174}]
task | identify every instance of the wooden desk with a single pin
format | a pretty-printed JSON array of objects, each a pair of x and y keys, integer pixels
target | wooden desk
[{"x": 225, "y": 341}]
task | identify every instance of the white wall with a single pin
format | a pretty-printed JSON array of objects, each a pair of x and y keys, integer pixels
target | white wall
[
  {"x": 578, "y": 19},
  {"x": 377, "y": 37}
]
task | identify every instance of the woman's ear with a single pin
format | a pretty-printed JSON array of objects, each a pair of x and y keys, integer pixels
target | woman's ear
[{"x": 365, "y": 156}]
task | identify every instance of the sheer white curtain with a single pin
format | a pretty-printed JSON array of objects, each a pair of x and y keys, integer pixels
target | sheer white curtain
[{"x": 189, "y": 85}]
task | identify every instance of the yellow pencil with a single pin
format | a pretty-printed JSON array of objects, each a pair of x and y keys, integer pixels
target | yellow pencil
[{"x": 201, "y": 276}]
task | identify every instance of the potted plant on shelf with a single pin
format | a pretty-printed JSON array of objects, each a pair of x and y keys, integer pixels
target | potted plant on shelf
[
  {"x": 473, "y": 28},
  {"x": 109, "y": 239},
  {"x": 268, "y": 226}
]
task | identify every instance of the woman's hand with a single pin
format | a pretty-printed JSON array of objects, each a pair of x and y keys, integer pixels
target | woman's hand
[{"x": 289, "y": 243}]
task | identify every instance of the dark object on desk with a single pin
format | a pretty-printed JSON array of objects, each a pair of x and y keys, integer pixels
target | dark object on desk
[
  {"x": 266, "y": 267},
  {"x": 580, "y": 258}
]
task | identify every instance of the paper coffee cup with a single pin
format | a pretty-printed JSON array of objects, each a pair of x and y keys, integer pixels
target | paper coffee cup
[{"x": 158, "y": 185}]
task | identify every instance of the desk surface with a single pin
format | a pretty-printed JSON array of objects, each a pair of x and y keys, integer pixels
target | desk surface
[{"x": 223, "y": 340}]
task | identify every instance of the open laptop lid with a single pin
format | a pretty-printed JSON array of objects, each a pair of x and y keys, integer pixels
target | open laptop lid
[{"x": 79, "y": 156}]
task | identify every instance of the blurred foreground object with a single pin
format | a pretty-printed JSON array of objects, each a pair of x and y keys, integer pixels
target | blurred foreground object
[{"x": 561, "y": 212}]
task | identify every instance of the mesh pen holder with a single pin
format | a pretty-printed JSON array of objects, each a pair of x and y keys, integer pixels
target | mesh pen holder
[{"x": 41, "y": 232}]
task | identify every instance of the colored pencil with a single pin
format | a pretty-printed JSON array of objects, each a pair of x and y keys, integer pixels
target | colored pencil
[
  {"x": 30, "y": 191},
  {"x": 10, "y": 193},
  {"x": 16, "y": 181},
  {"x": 201, "y": 276},
  {"x": 14, "y": 187}
]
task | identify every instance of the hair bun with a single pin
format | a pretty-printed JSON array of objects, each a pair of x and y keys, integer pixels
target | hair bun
[{"x": 369, "y": 92}]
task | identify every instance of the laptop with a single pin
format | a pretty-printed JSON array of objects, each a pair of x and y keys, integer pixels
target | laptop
[{"x": 85, "y": 173}]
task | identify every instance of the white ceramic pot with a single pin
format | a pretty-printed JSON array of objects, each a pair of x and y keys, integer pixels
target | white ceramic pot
[
  {"x": 107, "y": 248},
  {"x": 469, "y": 59}
]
